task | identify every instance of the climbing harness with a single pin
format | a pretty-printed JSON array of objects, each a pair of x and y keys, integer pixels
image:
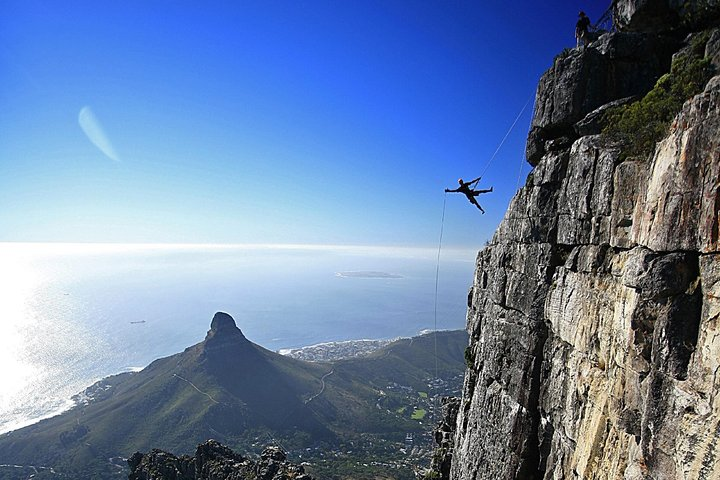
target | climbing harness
[{"x": 502, "y": 142}]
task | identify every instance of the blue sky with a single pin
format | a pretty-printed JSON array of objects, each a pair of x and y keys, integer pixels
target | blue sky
[{"x": 322, "y": 122}]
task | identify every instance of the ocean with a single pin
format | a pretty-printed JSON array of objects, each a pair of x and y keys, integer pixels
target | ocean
[{"x": 71, "y": 314}]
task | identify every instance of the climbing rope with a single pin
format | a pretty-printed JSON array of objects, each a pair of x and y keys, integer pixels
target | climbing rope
[
  {"x": 487, "y": 165},
  {"x": 437, "y": 281},
  {"x": 442, "y": 227},
  {"x": 606, "y": 20},
  {"x": 520, "y": 168}
]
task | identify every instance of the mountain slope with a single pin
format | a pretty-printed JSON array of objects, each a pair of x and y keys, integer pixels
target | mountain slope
[{"x": 235, "y": 391}]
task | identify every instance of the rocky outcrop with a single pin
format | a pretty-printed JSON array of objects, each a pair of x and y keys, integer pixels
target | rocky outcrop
[
  {"x": 444, "y": 434},
  {"x": 594, "y": 313},
  {"x": 213, "y": 461},
  {"x": 615, "y": 67},
  {"x": 677, "y": 206},
  {"x": 223, "y": 330},
  {"x": 665, "y": 15}
]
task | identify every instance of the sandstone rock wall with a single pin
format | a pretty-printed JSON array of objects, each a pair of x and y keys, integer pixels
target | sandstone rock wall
[{"x": 594, "y": 313}]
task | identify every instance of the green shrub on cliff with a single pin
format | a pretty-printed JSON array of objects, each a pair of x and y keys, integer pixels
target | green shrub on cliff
[
  {"x": 640, "y": 125},
  {"x": 698, "y": 13}
]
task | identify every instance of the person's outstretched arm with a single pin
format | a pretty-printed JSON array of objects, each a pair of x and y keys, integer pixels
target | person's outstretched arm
[{"x": 447, "y": 190}]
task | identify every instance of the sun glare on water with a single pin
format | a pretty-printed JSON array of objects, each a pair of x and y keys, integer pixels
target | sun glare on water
[
  {"x": 71, "y": 314},
  {"x": 34, "y": 346},
  {"x": 18, "y": 282}
]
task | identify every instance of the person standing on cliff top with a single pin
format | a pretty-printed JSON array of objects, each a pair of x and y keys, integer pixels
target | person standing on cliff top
[
  {"x": 465, "y": 189},
  {"x": 581, "y": 29}
]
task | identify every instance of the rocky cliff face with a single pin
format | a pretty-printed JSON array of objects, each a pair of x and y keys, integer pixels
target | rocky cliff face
[
  {"x": 665, "y": 15},
  {"x": 595, "y": 311}
]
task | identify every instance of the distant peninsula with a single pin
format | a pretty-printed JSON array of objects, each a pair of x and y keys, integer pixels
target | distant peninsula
[{"x": 331, "y": 351}]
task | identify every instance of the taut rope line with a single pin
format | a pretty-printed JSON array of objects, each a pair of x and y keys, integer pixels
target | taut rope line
[
  {"x": 482, "y": 174},
  {"x": 437, "y": 279}
]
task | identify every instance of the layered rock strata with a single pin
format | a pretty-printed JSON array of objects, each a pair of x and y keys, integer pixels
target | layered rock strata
[{"x": 594, "y": 313}]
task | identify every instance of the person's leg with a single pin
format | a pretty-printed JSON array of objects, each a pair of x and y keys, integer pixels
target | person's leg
[
  {"x": 585, "y": 39},
  {"x": 474, "y": 202},
  {"x": 478, "y": 192}
]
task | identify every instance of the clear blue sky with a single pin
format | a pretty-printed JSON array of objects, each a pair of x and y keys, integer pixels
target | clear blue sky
[{"x": 331, "y": 122}]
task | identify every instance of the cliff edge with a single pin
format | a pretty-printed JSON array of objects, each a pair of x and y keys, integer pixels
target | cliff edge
[{"x": 594, "y": 314}]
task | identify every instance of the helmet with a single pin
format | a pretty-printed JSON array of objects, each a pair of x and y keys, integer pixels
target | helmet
[{"x": 460, "y": 180}]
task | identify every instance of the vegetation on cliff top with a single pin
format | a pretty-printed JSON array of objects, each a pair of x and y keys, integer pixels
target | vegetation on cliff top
[{"x": 640, "y": 125}]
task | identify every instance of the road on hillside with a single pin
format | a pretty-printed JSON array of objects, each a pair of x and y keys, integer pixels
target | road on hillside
[{"x": 322, "y": 389}]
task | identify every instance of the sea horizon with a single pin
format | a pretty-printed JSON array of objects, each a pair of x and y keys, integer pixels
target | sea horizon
[{"x": 75, "y": 313}]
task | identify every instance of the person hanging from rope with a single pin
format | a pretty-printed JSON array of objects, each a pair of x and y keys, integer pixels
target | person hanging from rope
[
  {"x": 465, "y": 189},
  {"x": 581, "y": 29}
]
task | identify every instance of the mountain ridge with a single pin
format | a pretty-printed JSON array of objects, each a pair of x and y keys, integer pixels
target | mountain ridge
[{"x": 230, "y": 389}]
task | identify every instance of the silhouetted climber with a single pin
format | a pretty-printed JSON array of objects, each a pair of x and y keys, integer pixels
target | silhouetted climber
[
  {"x": 581, "y": 29},
  {"x": 465, "y": 189}
]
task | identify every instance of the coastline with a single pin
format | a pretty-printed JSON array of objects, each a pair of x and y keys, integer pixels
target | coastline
[
  {"x": 65, "y": 404},
  {"x": 338, "y": 350},
  {"x": 319, "y": 352},
  {"x": 345, "y": 349}
]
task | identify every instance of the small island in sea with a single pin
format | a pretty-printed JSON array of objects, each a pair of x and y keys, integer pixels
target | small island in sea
[{"x": 367, "y": 274}]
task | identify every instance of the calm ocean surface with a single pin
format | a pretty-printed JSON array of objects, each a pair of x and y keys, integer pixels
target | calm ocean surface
[{"x": 72, "y": 314}]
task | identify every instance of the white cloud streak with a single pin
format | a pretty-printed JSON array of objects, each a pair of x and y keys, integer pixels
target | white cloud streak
[{"x": 95, "y": 133}]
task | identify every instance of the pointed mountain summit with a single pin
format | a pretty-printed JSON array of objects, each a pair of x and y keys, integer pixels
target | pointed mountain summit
[
  {"x": 224, "y": 333},
  {"x": 223, "y": 325},
  {"x": 225, "y": 387},
  {"x": 237, "y": 392}
]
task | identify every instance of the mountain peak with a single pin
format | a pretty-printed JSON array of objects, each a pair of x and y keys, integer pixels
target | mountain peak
[
  {"x": 221, "y": 321},
  {"x": 223, "y": 326}
]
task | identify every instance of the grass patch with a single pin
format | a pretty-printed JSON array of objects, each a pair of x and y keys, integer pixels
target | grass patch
[
  {"x": 401, "y": 410},
  {"x": 418, "y": 414},
  {"x": 640, "y": 125},
  {"x": 423, "y": 394}
]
